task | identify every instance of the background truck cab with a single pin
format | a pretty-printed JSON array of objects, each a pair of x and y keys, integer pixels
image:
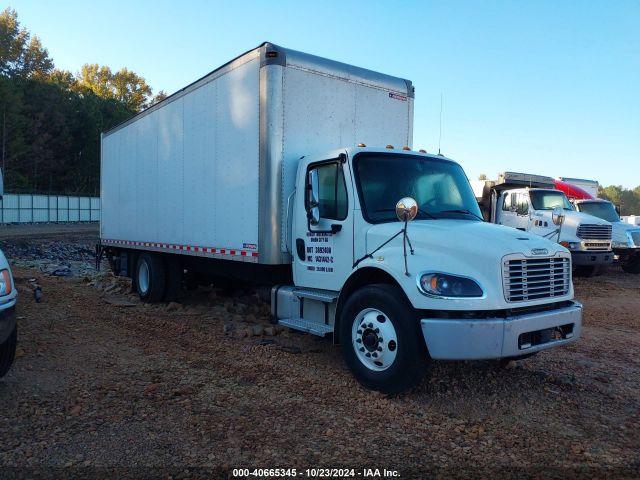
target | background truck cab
[
  {"x": 527, "y": 202},
  {"x": 625, "y": 239}
]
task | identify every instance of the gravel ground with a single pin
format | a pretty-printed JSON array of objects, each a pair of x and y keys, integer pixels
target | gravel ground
[{"x": 106, "y": 386}]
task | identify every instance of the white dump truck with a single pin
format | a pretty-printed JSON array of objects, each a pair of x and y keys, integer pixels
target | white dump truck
[
  {"x": 8, "y": 299},
  {"x": 259, "y": 172},
  {"x": 530, "y": 202}
]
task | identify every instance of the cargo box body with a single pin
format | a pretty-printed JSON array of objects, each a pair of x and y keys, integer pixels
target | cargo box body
[{"x": 209, "y": 171}]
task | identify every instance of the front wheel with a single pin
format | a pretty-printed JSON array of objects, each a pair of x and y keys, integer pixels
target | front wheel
[
  {"x": 8, "y": 352},
  {"x": 631, "y": 264},
  {"x": 381, "y": 340}
]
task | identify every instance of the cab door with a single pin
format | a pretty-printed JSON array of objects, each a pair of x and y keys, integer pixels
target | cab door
[
  {"x": 522, "y": 218},
  {"x": 507, "y": 207},
  {"x": 323, "y": 226}
]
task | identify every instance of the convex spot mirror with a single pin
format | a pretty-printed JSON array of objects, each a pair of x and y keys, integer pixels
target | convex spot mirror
[
  {"x": 557, "y": 215},
  {"x": 313, "y": 197},
  {"x": 406, "y": 209}
]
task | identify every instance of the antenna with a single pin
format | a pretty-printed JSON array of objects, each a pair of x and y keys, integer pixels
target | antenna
[{"x": 440, "y": 136}]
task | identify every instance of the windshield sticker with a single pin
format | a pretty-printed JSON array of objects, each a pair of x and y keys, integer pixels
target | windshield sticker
[{"x": 319, "y": 252}]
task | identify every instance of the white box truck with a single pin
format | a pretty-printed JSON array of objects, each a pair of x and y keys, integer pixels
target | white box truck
[
  {"x": 260, "y": 171},
  {"x": 528, "y": 203},
  {"x": 8, "y": 299}
]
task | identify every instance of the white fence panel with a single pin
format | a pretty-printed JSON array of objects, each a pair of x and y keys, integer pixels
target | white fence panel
[{"x": 27, "y": 208}]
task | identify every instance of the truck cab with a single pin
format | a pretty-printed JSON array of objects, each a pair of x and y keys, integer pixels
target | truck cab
[
  {"x": 527, "y": 202},
  {"x": 8, "y": 298},
  {"x": 625, "y": 237},
  {"x": 390, "y": 253}
]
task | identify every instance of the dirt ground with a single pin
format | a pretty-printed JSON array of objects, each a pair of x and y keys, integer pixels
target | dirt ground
[{"x": 106, "y": 386}]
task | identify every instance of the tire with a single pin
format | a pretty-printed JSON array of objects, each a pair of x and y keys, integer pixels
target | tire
[
  {"x": 8, "y": 352},
  {"x": 394, "y": 364},
  {"x": 150, "y": 278},
  {"x": 632, "y": 264},
  {"x": 174, "y": 279}
]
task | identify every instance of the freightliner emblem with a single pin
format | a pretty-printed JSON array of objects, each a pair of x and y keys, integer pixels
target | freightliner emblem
[{"x": 539, "y": 251}]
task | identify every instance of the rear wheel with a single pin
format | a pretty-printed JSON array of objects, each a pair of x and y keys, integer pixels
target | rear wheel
[
  {"x": 631, "y": 264},
  {"x": 8, "y": 352},
  {"x": 381, "y": 339},
  {"x": 150, "y": 277}
]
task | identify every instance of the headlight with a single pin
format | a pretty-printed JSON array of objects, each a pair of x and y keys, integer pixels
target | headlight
[
  {"x": 5, "y": 283},
  {"x": 445, "y": 285}
]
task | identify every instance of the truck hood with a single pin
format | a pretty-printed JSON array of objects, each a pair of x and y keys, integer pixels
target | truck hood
[
  {"x": 459, "y": 247},
  {"x": 620, "y": 235},
  {"x": 572, "y": 220},
  {"x": 572, "y": 217},
  {"x": 465, "y": 238}
]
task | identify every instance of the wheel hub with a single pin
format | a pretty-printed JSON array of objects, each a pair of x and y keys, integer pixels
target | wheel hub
[
  {"x": 370, "y": 340},
  {"x": 374, "y": 339}
]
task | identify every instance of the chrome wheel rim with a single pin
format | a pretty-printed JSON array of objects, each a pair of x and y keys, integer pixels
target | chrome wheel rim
[
  {"x": 374, "y": 339},
  {"x": 143, "y": 278}
]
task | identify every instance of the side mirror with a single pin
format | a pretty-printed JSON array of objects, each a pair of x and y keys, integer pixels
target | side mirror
[
  {"x": 406, "y": 209},
  {"x": 313, "y": 197},
  {"x": 557, "y": 216},
  {"x": 617, "y": 207}
]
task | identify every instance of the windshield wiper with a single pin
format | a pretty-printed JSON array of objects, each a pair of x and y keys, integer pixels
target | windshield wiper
[
  {"x": 462, "y": 210},
  {"x": 419, "y": 211}
]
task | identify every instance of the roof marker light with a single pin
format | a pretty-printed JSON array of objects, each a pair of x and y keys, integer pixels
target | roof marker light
[
  {"x": 390, "y": 147},
  {"x": 422, "y": 150},
  {"x": 406, "y": 148},
  {"x": 361, "y": 145}
]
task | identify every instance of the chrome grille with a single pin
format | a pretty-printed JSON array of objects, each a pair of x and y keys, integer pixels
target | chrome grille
[
  {"x": 635, "y": 236},
  {"x": 536, "y": 278},
  {"x": 590, "y": 231}
]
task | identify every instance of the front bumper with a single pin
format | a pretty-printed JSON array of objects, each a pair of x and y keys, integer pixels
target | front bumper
[
  {"x": 479, "y": 339},
  {"x": 591, "y": 258},
  {"x": 7, "y": 320}
]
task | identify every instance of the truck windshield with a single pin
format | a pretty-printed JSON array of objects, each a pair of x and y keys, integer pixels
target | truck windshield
[
  {"x": 440, "y": 187},
  {"x": 548, "y": 199},
  {"x": 603, "y": 210}
]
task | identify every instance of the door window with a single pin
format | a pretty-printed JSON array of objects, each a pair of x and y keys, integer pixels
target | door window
[
  {"x": 522, "y": 205},
  {"x": 506, "y": 204},
  {"x": 332, "y": 192}
]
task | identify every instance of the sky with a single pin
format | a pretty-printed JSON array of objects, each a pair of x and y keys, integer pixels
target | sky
[{"x": 546, "y": 87}]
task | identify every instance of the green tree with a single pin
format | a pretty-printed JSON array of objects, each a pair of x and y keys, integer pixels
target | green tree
[
  {"x": 161, "y": 95},
  {"x": 628, "y": 200},
  {"x": 20, "y": 53},
  {"x": 124, "y": 86}
]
